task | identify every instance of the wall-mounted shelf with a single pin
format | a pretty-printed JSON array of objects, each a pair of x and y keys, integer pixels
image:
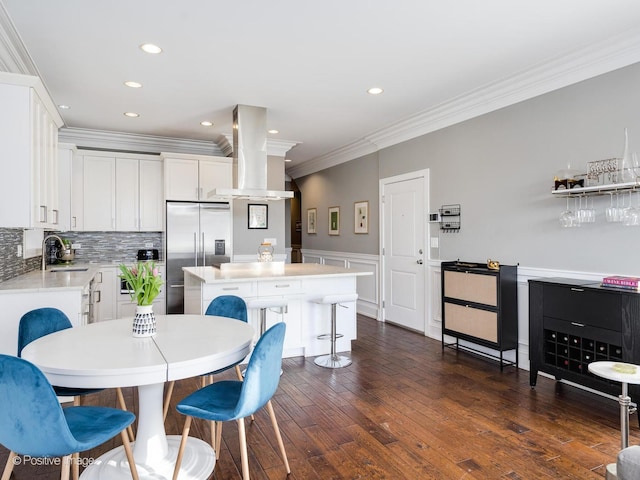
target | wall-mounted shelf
[
  {"x": 597, "y": 189},
  {"x": 450, "y": 218}
]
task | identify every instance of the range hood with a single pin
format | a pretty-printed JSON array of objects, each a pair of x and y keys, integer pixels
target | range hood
[{"x": 250, "y": 157}]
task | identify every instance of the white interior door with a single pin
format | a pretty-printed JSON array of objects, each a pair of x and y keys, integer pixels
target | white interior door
[{"x": 403, "y": 247}]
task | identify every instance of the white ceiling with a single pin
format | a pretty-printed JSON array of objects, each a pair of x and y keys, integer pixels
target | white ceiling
[{"x": 309, "y": 63}]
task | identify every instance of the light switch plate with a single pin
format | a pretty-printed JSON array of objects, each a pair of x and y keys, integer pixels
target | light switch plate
[
  {"x": 272, "y": 241},
  {"x": 435, "y": 242}
]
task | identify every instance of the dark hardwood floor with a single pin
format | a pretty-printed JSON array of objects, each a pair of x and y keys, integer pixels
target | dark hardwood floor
[{"x": 406, "y": 410}]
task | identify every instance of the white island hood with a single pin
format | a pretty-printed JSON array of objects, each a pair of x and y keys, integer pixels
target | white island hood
[{"x": 250, "y": 157}]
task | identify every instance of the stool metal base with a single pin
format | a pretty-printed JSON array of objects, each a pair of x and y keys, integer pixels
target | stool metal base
[{"x": 332, "y": 361}]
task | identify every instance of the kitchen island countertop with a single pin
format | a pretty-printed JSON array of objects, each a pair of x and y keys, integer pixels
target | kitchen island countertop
[{"x": 269, "y": 271}]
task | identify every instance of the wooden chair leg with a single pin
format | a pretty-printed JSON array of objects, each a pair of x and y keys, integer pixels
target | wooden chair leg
[
  {"x": 218, "y": 439},
  {"x": 76, "y": 401},
  {"x": 75, "y": 466},
  {"x": 274, "y": 422},
  {"x": 129, "y": 453},
  {"x": 239, "y": 373},
  {"x": 243, "y": 449},
  {"x": 167, "y": 400},
  {"x": 66, "y": 465},
  {"x": 8, "y": 467},
  {"x": 183, "y": 443},
  {"x": 123, "y": 406},
  {"x": 212, "y": 424}
]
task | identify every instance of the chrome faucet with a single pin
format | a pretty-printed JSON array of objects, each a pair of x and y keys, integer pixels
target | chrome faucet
[{"x": 44, "y": 249}]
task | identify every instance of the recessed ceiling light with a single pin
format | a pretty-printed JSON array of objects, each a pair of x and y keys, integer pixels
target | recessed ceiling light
[
  {"x": 133, "y": 84},
  {"x": 206, "y": 123},
  {"x": 375, "y": 91},
  {"x": 150, "y": 48},
  {"x": 64, "y": 107},
  {"x": 131, "y": 114},
  {"x": 274, "y": 131}
]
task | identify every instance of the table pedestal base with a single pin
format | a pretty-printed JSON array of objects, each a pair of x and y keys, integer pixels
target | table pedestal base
[
  {"x": 612, "y": 473},
  {"x": 197, "y": 463}
]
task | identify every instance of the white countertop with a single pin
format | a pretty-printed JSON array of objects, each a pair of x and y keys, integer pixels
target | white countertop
[
  {"x": 269, "y": 271},
  {"x": 65, "y": 279},
  {"x": 38, "y": 281}
]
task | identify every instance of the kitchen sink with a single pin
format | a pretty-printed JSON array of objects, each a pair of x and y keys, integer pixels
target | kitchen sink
[{"x": 69, "y": 269}]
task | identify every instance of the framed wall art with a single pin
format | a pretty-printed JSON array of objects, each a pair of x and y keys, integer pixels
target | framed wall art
[
  {"x": 312, "y": 216},
  {"x": 258, "y": 216},
  {"x": 361, "y": 217},
  {"x": 334, "y": 220}
]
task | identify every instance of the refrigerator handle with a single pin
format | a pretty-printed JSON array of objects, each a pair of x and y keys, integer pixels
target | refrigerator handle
[
  {"x": 204, "y": 264},
  {"x": 195, "y": 248}
]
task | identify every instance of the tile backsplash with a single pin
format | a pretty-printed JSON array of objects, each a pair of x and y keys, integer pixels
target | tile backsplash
[
  {"x": 100, "y": 247},
  {"x": 11, "y": 265}
]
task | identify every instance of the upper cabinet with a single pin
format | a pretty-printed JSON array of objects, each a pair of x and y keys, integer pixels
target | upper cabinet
[
  {"x": 116, "y": 192},
  {"x": 192, "y": 177},
  {"x": 29, "y": 125}
]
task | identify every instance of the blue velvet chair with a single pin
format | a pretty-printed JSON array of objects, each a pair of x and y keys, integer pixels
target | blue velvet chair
[
  {"x": 229, "y": 306},
  {"x": 32, "y": 421},
  {"x": 43, "y": 321},
  {"x": 234, "y": 399}
]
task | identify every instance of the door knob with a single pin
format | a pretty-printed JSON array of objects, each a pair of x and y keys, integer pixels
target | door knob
[{"x": 419, "y": 262}]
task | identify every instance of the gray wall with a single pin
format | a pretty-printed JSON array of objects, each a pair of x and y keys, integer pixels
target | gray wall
[
  {"x": 500, "y": 168},
  {"x": 341, "y": 186},
  {"x": 246, "y": 241}
]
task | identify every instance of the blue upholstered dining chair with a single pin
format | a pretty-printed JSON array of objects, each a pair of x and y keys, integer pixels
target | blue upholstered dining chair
[
  {"x": 32, "y": 421},
  {"x": 43, "y": 321},
  {"x": 228, "y": 400},
  {"x": 229, "y": 306}
]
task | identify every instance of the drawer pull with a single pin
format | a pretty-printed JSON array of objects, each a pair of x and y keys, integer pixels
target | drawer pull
[
  {"x": 283, "y": 286},
  {"x": 226, "y": 289},
  {"x": 576, "y": 324},
  {"x": 573, "y": 289}
]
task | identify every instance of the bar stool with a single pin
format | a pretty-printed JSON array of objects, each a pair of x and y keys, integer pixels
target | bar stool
[
  {"x": 264, "y": 304},
  {"x": 333, "y": 360}
]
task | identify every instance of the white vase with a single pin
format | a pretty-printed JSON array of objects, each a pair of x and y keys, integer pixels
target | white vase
[{"x": 144, "y": 322}]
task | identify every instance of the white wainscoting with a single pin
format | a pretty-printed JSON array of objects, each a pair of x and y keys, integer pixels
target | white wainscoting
[
  {"x": 368, "y": 286},
  {"x": 524, "y": 275}
]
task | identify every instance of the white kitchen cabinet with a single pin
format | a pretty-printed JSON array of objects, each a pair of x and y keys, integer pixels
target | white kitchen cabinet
[
  {"x": 99, "y": 192},
  {"x": 192, "y": 177},
  {"x": 29, "y": 126},
  {"x": 117, "y": 191},
  {"x": 151, "y": 202},
  {"x": 127, "y": 195},
  {"x": 105, "y": 291},
  {"x": 65, "y": 167}
]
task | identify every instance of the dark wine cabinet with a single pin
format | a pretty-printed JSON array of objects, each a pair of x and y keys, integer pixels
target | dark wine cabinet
[{"x": 575, "y": 322}]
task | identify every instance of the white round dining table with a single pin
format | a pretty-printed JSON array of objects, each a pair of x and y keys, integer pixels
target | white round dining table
[{"x": 106, "y": 355}]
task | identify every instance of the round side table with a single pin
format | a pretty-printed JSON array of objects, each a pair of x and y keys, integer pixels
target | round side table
[{"x": 605, "y": 370}]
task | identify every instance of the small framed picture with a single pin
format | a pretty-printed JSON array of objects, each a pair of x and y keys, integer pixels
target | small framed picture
[
  {"x": 334, "y": 220},
  {"x": 312, "y": 216},
  {"x": 361, "y": 217},
  {"x": 258, "y": 216}
]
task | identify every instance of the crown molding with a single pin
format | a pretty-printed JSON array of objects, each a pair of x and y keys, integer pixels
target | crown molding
[
  {"x": 14, "y": 57},
  {"x": 336, "y": 157},
  {"x": 581, "y": 64},
  {"x": 132, "y": 142}
]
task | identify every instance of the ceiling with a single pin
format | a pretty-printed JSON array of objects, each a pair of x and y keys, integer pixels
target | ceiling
[{"x": 309, "y": 63}]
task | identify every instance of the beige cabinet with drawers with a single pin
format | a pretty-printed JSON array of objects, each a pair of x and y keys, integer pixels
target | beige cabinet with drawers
[{"x": 480, "y": 306}]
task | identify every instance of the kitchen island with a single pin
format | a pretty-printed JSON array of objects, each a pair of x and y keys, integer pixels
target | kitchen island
[{"x": 301, "y": 284}]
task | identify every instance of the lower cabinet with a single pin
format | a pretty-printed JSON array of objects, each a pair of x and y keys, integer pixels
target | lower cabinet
[{"x": 575, "y": 322}]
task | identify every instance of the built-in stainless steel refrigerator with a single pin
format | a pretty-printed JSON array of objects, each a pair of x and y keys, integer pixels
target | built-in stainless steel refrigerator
[{"x": 198, "y": 234}]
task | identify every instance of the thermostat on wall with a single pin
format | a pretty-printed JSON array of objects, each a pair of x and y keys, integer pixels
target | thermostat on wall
[{"x": 434, "y": 217}]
